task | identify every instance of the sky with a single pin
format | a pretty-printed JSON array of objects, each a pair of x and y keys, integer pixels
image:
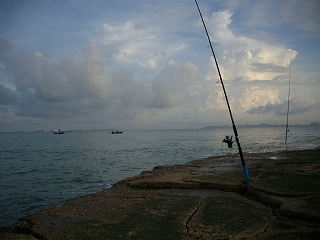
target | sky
[{"x": 146, "y": 64}]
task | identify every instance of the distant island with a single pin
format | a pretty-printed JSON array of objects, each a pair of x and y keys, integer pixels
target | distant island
[{"x": 317, "y": 124}]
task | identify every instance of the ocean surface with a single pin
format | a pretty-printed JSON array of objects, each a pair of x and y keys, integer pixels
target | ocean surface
[{"x": 41, "y": 169}]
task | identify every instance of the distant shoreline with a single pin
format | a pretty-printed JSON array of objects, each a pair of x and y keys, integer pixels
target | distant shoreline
[{"x": 313, "y": 124}]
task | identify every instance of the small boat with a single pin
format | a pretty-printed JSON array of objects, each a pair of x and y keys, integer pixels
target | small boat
[
  {"x": 116, "y": 132},
  {"x": 58, "y": 132}
]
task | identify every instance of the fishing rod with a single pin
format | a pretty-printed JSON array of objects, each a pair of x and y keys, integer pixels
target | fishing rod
[
  {"x": 244, "y": 166},
  {"x": 287, "y": 125}
]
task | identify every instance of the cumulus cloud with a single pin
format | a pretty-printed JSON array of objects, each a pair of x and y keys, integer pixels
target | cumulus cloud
[
  {"x": 246, "y": 57},
  {"x": 146, "y": 42},
  {"x": 171, "y": 83},
  {"x": 254, "y": 96},
  {"x": 255, "y": 72},
  {"x": 132, "y": 38},
  {"x": 48, "y": 86},
  {"x": 132, "y": 71},
  {"x": 54, "y": 80},
  {"x": 73, "y": 86},
  {"x": 280, "y": 109}
]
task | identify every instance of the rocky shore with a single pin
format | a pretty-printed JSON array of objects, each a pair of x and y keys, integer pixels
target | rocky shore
[{"x": 204, "y": 199}]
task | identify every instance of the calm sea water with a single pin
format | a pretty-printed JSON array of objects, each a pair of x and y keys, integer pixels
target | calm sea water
[{"x": 40, "y": 169}]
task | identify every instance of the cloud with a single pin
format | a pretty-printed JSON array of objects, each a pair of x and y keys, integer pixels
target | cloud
[
  {"x": 75, "y": 86},
  {"x": 52, "y": 80},
  {"x": 171, "y": 83},
  {"x": 150, "y": 39},
  {"x": 246, "y": 57},
  {"x": 136, "y": 43},
  {"x": 254, "y": 96},
  {"x": 7, "y": 96},
  {"x": 300, "y": 15},
  {"x": 5, "y": 46},
  {"x": 280, "y": 109},
  {"x": 268, "y": 67},
  {"x": 47, "y": 86},
  {"x": 259, "y": 69},
  {"x": 152, "y": 66}
]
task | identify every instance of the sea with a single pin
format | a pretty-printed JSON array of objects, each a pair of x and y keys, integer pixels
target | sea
[{"x": 42, "y": 169}]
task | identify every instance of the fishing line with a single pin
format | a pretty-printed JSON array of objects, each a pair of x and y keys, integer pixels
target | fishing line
[{"x": 287, "y": 125}]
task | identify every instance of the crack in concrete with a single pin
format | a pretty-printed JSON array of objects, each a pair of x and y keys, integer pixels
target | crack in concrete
[{"x": 189, "y": 219}]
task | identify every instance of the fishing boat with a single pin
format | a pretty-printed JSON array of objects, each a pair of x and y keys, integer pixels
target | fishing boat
[
  {"x": 58, "y": 132},
  {"x": 116, "y": 132}
]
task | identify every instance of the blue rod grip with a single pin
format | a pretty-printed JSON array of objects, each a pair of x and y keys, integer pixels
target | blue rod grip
[{"x": 245, "y": 172}]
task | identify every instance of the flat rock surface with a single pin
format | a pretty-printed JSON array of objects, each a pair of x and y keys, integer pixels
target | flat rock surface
[{"x": 204, "y": 199}]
